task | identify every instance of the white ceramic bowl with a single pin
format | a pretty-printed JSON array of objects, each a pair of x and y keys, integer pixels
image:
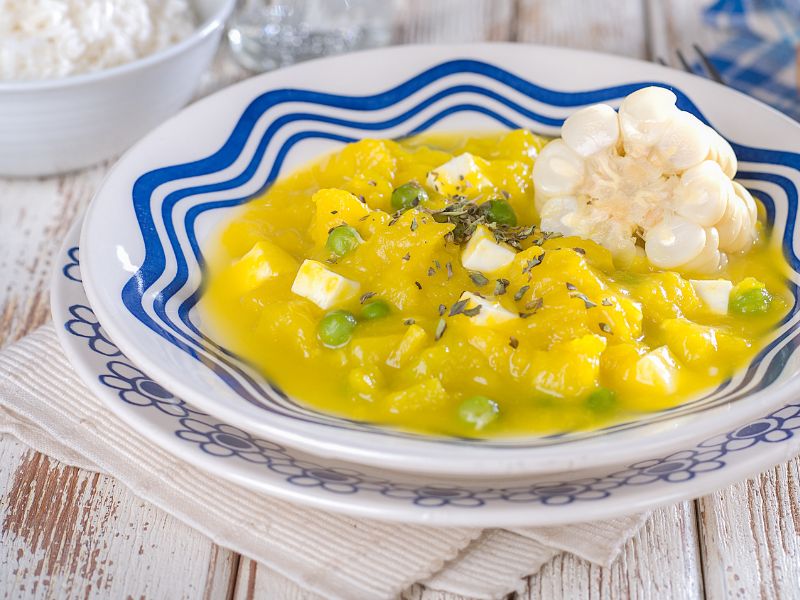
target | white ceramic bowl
[
  {"x": 57, "y": 125},
  {"x": 142, "y": 238}
]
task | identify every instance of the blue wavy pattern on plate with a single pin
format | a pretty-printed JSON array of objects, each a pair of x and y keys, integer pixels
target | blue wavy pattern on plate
[
  {"x": 221, "y": 441},
  {"x": 186, "y": 335}
]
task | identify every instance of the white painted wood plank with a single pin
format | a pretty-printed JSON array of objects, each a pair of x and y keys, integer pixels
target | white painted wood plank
[
  {"x": 256, "y": 582},
  {"x": 751, "y": 537},
  {"x": 661, "y": 561},
  {"x": 607, "y": 26},
  {"x": 67, "y": 533},
  {"x": 455, "y": 21},
  {"x": 35, "y": 215}
]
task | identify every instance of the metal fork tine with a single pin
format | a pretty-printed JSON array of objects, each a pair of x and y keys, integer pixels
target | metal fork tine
[
  {"x": 660, "y": 60},
  {"x": 712, "y": 70},
  {"x": 684, "y": 63}
]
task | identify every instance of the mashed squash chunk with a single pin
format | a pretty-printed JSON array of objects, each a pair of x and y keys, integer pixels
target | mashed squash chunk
[{"x": 409, "y": 283}]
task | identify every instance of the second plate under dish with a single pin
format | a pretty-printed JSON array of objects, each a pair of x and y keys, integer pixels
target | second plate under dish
[{"x": 231, "y": 453}]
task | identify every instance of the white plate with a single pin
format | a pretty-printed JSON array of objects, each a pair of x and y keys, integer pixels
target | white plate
[
  {"x": 143, "y": 232},
  {"x": 231, "y": 453}
]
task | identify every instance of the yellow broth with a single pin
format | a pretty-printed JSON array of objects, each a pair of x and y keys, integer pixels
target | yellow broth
[{"x": 568, "y": 363}]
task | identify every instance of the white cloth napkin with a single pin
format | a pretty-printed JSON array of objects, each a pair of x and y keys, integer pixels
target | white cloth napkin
[{"x": 45, "y": 405}]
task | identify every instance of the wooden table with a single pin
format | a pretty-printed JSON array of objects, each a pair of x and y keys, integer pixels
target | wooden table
[{"x": 69, "y": 533}]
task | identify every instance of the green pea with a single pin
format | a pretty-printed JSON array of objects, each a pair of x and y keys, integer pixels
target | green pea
[
  {"x": 478, "y": 411},
  {"x": 602, "y": 400},
  {"x": 336, "y": 328},
  {"x": 752, "y": 301},
  {"x": 500, "y": 212},
  {"x": 408, "y": 196},
  {"x": 377, "y": 309},
  {"x": 342, "y": 239}
]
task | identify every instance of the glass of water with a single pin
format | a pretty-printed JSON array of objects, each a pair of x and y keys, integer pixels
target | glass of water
[{"x": 266, "y": 34}]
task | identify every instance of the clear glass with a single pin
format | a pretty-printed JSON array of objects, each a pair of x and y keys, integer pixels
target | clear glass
[{"x": 266, "y": 34}]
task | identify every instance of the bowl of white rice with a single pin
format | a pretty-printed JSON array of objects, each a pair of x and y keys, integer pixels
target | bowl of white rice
[{"x": 82, "y": 80}]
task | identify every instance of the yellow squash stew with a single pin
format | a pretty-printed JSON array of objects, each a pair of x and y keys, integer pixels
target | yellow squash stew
[{"x": 409, "y": 283}]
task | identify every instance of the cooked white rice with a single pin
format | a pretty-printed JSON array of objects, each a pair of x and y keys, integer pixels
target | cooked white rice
[{"x": 42, "y": 39}]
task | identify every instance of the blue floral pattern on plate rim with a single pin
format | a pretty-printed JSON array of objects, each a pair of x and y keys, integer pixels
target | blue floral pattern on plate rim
[{"x": 214, "y": 440}]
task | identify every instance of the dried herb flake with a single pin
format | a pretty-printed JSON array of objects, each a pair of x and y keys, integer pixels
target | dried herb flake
[
  {"x": 521, "y": 292},
  {"x": 501, "y": 286},
  {"x": 534, "y": 262},
  {"x": 458, "y": 308},
  {"x": 478, "y": 279},
  {"x": 471, "y": 312},
  {"x": 534, "y": 305},
  {"x": 587, "y": 303}
]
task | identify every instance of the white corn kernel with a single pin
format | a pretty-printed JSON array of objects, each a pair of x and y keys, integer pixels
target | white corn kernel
[
  {"x": 591, "y": 129},
  {"x": 558, "y": 171},
  {"x": 674, "y": 243}
]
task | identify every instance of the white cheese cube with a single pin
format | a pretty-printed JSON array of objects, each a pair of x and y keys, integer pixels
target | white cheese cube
[
  {"x": 483, "y": 253},
  {"x": 322, "y": 286},
  {"x": 491, "y": 312},
  {"x": 714, "y": 293},
  {"x": 658, "y": 369},
  {"x": 262, "y": 262},
  {"x": 460, "y": 176}
]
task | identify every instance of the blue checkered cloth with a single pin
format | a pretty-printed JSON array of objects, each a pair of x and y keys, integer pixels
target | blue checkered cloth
[{"x": 759, "y": 56}]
